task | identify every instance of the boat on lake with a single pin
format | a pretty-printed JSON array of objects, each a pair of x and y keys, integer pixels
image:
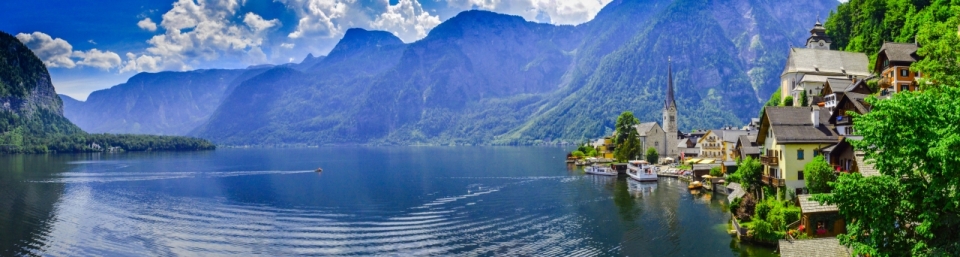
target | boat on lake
[
  {"x": 641, "y": 171},
  {"x": 600, "y": 170},
  {"x": 695, "y": 185}
]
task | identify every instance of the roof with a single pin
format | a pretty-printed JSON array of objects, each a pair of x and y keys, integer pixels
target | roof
[
  {"x": 825, "y": 247},
  {"x": 839, "y": 84},
  {"x": 737, "y": 192},
  {"x": 669, "y": 101},
  {"x": 683, "y": 142},
  {"x": 645, "y": 127},
  {"x": 816, "y": 78},
  {"x": 695, "y": 151},
  {"x": 829, "y": 148},
  {"x": 732, "y": 136},
  {"x": 794, "y": 125},
  {"x": 808, "y": 205},
  {"x": 705, "y": 166},
  {"x": 899, "y": 52},
  {"x": 826, "y": 62},
  {"x": 866, "y": 169}
]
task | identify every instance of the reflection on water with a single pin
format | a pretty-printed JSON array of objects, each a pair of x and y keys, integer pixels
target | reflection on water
[{"x": 407, "y": 201}]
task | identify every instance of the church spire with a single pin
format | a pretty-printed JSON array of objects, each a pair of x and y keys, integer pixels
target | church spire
[{"x": 669, "y": 101}]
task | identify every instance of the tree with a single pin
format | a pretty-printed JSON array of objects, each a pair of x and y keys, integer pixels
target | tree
[
  {"x": 630, "y": 148},
  {"x": 787, "y": 101},
  {"x": 913, "y": 207},
  {"x": 803, "y": 98},
  {"x": 625, "y": 123},
  {"x": 751, "y": 174},
  {"x": 716, "y": 171},
  {"x": 652, "y": 155},
  {"x": 817, "y": 174},
  {"x": 939, "y": 38},
  {"x": 578, "y": 154}
]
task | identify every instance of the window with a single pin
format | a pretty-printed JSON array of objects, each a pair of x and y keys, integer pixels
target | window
[
  {"x": 656, "y": 143},
  {"x": 904, "y": 87},
  {"x": 800, "y": 175},
  {"x": 904, "y": 72},
  {"x": 800, "y": 154}
]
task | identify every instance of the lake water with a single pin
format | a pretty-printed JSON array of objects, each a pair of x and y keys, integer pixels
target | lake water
[{"x": 368, "y": 201}]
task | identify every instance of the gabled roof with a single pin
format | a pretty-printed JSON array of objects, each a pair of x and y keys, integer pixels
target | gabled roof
[
  {"x": 826, "y": 62},
  {"x": 684, "y": 143},
  {"x": 645, "y": 127},
  {"x": 839, "y": 84},
  {"x": 858, "y": 101},
  {"x": 795, "y": 125},
  {"x": 738, "y": 191},
  {"x": 808, "y": 205},
  {"x": 866, "y": 169},
  {"x": 899, "y": 52},
  {"x": 820, "y": 247}
]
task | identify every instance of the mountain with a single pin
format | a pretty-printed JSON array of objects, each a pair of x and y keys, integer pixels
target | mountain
[
  {"x": 29, "y": 106},
  {"x": 164, "y": 103},
  {"x": 488, "y": 78}
]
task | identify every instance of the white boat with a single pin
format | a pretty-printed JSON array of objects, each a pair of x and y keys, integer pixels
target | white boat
[
  {"x": 599, "y": 170},
  {"x": 641, "y": 171}
]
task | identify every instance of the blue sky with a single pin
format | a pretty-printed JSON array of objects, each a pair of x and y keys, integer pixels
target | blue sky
[{"x": 93, "y": 44}]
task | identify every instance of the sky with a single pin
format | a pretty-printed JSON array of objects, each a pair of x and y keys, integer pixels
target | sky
[{"x": 89, "y": 45}]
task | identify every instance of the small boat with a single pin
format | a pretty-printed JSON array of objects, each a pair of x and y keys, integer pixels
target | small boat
[
  {"x": 319, "y": 170},
  {"x": 598, "y": 170},
  {"x": 641, "y": 171},
  {"x": 695, "y": 185}
]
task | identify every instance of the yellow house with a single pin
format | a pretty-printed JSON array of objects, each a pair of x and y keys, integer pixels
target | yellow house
[{"x": 789, "y": 138}]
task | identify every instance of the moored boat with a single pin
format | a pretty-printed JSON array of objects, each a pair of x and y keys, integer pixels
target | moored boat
[
  {"x": 600, "y": 170},
  {"x": 641, "y": 171},
  {"x": 695, "y": 185}
]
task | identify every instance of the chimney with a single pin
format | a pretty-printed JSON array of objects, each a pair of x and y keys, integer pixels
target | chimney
[{"x": 815, "y": 116}]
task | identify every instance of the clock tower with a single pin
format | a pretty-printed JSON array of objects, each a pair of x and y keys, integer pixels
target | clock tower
[
  {"x": 818, "y": 37},
  {"x": 670, "y": 116}
]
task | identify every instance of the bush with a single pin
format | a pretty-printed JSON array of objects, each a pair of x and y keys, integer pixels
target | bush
[
  {"x": 735, "y": 205},
  {"x": 747, "y": 207},
  {"x": 577, "y": 154},
  {"x": 787, "y": 101},
  {"x": 762, "y": 210},
  {"x": 716, "y": 172}
]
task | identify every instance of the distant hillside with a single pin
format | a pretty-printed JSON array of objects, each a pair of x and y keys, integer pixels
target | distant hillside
[{"x": 31, "y": 113}]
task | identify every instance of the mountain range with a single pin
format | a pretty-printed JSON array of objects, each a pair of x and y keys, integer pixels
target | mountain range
[{"x": 481, "y": 78}]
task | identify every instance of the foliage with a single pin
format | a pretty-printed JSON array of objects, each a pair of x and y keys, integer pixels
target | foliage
[
  {"x": 788, "y": 101},
  {"x": 625, "y": 123},
  {"x": 747, "y": 208},
  {"x": 913, "y": 207},
  {"x": 939, "y": 37},
  {"x": 630, "y": 148},
  {"x": 774, "y": 100},
  {"x": 817, "y": 174},
  {"x": 20, "y": 69},
  {"x": 751, "y": 174},
  {"x": 593, "y": 153},
  {"x": 764, "y": 231},
  {"x": 763, "y": 209},
  {"x": 803, "y": 98},
  {"x": 578, "y": 154},
  {"x": 716, "y": 172},
  {"x": 652, "y": 156},
  {"x": 735, "y": 205}
]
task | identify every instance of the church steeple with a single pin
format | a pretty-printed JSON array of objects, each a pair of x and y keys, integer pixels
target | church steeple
[{"x": 669, "y": 101}]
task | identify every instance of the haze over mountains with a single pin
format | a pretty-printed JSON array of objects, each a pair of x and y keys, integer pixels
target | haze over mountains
[{"x": 481, "y": 78}]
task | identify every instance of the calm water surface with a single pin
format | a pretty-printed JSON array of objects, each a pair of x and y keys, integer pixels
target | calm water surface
[{"x": 368, "y": 201}]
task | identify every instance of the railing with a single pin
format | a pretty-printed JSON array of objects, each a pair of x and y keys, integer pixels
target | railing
[
  {"x": 773, "y": 181},
  {"x": 769, "y": 160}
]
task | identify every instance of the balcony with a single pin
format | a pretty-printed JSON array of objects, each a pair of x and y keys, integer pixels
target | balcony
[
  {"x": 773, "y": 181},
  {"x": 769, "y": 160}
]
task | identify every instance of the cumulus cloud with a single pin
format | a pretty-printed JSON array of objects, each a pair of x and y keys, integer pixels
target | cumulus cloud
[
  {"x": 317, "y": 17},
  {"x": 58, "y": 53},
  {"x": 287, "y": 45},
  {"x": 147, "y": 24},
  {"x": 105, "y": 60},
  {"x": 556, "y": 11},
  {"x": 407, "y": 20},
  {"x": 55, "y": 53},
  {"x": 257, "y": 23},
  {"x": 141, "y": 63}
]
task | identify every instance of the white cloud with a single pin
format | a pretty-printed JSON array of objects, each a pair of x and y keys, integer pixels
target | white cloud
[
  {"x": 257, "y": 23},
  {"x": 55, "y": 53},
  {"x": 558, "y": 11},
  {"x": 317, "y": 17},
  {"x": 287, "y": 45},
  {"x": 407, "y": 20},
  {"x": 58, "y": 53},
  {"x": 105, "y": 60},
  {"x": 141, "y": 63},
  {"x": 147, "y": 24}
]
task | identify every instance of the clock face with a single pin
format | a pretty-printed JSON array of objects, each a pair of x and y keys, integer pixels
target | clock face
[{"x": 821, "y": 43}]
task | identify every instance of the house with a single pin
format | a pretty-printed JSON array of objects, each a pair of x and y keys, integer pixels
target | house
[
  {"x": 818, "y": 60},
  {"x": 711, "y": 146},
  {"x": 836, "y": 88},
  {"x": 605, "y": 147},
  {"x": 687, "y": 148},
  {"x": 651, "y": 135},
  {"x": 789, "y": 138},
  {"x": 893, "y": 65},
  {"x": 849, "y": 102},
  {"x": 747, "y": 146},
  {"x": 820, "y": 247},
  {"x": 819, "y": 220},
  {"x": 840, "y": 156},
  {"x": 702, "y": 169}
]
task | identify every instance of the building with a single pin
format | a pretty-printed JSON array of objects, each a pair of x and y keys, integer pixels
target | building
[
  {"x": 820, "y": 247},
  {"x": 849, "y": 102},
  {"x": 711, "y": 146},
  {"x": 789, "y": 138},
  {"x": 687, "y": 149},
  {"x": 817, "y": 60},
  {"x": 651, "y": 135},
  {"x": 834, "y": 89},
  {"x": 747, "y": 147},
  {"x": 605, "y": 147},
  {"x": 893, "y": 65},
  {"x": 670, "y": 116},
  {"x": 818, "y": 220}
]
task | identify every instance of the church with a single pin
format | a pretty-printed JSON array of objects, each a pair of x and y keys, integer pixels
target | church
[{"x": 663, "y": 137}]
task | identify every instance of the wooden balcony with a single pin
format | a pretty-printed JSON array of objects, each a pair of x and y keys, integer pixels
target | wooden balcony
[
  {"x": 769, "y": 160},
  {"x": 772, "y": 181}
]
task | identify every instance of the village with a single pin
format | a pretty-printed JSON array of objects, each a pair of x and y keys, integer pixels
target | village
[{"x": 809, "y": 126}]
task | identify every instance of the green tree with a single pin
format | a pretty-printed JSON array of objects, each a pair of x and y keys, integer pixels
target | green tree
[
  {"x": 578, "y": 154},
  {"x": 940, "y": 44},
  {"x": 913, "y": 207},
  {"x": 787, "y": 101},
  {"x": 751, "y": 174},
  {"x": 803, "y": 98},
  {"x": 630, "y": 148},
  {"x": 716, "y": 171},
  {"x": 817, "y": 174},
  {"x": 625, "y": 123},
  {"x": 652, "y": 155}
]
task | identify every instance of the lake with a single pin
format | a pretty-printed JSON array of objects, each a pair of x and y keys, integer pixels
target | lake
[{"x": 368, "y": 201}]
